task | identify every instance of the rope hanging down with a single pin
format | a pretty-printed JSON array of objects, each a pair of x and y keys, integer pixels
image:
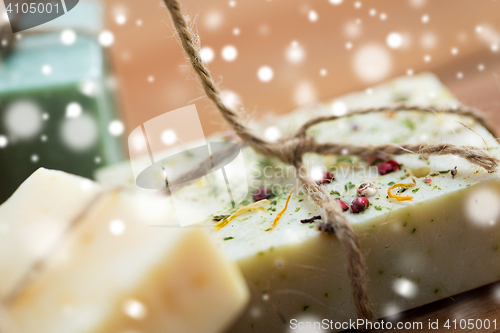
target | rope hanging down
[{"x": 291, "y": 150}]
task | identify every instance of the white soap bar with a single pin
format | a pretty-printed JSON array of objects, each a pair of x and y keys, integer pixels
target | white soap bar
[
  {"x": 114, "y": 272},
  {"x": 443, "y": 242},
  {"x": 35, "y": 217}
]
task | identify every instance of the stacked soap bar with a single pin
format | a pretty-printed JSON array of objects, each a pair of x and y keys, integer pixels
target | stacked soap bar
[
  {"x": 78, "y": 258},
  {"x": 57, "y": 107},
  {"x": 443, "y": 241}
]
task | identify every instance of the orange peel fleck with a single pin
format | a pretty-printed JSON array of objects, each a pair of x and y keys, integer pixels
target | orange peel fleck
[
  {"x": 278, "y": 217},
  {"x": 259, "y": 205},
  {"x": 398, "y": 197}
]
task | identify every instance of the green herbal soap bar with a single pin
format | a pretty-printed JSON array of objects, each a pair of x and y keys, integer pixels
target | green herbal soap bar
[
  {"x": 57, "y": 107},
  {"x": 442, "y": 242}
]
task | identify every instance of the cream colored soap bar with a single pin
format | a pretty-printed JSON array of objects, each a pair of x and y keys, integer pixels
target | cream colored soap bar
[
  {"x": 35, "y": 217},
  {"x": 443, "y": 242},
  {"x": 113, "y": 272}
]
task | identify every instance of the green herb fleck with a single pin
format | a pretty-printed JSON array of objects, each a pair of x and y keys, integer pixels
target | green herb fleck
[
  {"x": 301, "y": 200},
  {"x": 332, "y": 192},
  {"x": 444, "y": 171},
  {"x": 413, "y": 231},
  {"x": 267, "y": 229},
  {"x": 349, "y": 186},
  {"x": 306, "y": 307},
  {"x": 410, "y": 124},
  {"x": 228, "y": 238},
  {"x": 378, "y": 208},
  {"x": 391, "y": 183},
  {"x": 345, "y": 159},
  {"x": 297, "y": 209},
  {"x": 415, "y": 190}
]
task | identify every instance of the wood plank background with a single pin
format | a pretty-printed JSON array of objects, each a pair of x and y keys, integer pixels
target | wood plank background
[{"x": 268, "y": 27}]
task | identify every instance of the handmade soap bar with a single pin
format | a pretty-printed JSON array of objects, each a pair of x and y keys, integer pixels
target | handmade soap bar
[
  {"x": 111, "y": 271},
  {"x": 442, "y": 242},
  {"x": 35, "y": 217}
]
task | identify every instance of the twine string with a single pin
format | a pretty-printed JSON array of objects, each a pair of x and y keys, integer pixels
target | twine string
[{"x": 291, "y": 150}]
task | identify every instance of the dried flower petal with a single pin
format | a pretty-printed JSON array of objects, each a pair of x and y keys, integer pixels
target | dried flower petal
[
  {"x": 259, "y": 205},
  {"x": 397, "y": 197},
  {"x": 278, "y": 217}
]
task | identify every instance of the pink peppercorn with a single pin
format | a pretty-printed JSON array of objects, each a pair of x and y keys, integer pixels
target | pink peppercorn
[
  {"x": 395, "y": 165},
  {"x": 427, "y": 180},
  {"x": 384, "y": 168},
  {"x": 359, "y": 204},
  {"x": 328, "y": 177},
  {"x": 388, "y": 167},
  {"x": 261, "y": 194},
  {"x": 343, "y": 205}
]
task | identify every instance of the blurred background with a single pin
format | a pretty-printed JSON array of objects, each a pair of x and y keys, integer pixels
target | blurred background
[
  {"x": 271, "y": 56},
  {"x": 276, "y": 55}
]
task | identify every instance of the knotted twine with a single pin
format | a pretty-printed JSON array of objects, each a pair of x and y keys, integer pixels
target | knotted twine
[{"x": 290, "y": 150}]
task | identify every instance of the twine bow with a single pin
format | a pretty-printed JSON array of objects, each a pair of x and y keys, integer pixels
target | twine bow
[{"x": 291, "y": 150}]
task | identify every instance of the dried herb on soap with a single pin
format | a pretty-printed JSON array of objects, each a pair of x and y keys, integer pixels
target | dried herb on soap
[
  {"x": 326, "y": 228},
  {"x": 228, "y": 238},
  {"x": 220, "y": 217},
  {"x": 454, "y": 173},
  {"x": 349, "y": 186},
  {"x": 311, "y": 220}
]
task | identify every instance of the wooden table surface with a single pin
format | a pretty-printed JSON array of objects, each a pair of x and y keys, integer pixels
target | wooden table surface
[{"x": 481, "y": 303}]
